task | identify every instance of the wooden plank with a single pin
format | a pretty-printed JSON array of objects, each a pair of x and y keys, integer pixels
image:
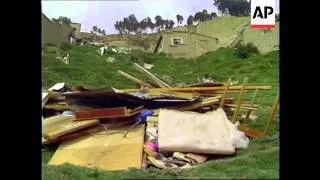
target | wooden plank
[
  {"x": 192, "y": 89},
  {"x": 225, "y": 94},
  {"x": 134, "y": 79},
  {"x": 252, "y": 103},
  {"x": 45, "y": 97},
  {"x": 106, "y": 151},
  {"x": 235, "y": 115},
  {"x": 57, "y": 107},
  {"x": 272, "y": 117},
  {"x": 251, "y": 132},
  {"x": 60, "y": 125},
  {"x": 205, "y": 84},
  {"x": 153, "y": 77},
  {"x": 57, "y": 87},
  {"x": 179, "y": 94},
  {"x": 106, "y": 113},
  {"x": 242, "y": 107},
  {"x": 203, "y": 103}
]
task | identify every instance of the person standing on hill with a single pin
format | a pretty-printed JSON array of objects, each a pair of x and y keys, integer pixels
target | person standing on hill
[{"x": 72, "y": 37}]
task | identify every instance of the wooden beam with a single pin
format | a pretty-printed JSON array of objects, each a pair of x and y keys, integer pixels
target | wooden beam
[
  {"x": 272, "y": 117},
  {"x": 225, "y": 94},
  {"x": 242, "y": 107},
  {"x": 203, "y": 88},
  {"x": 128, "y": 76},
  {"x": 153, "y": 77},
  {"x": 203, "y": 103},
  {"x": 250, "y": 132},
  {"x": 107, "y": 151},
  {"x": 252, "y": 103},
  {"x": 60, "y": 125},
  {"x": 107, "y": 113},
  {"x": 245, "y": 81}
]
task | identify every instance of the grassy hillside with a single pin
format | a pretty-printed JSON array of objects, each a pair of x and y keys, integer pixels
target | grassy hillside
[
  {"x": 265, "y": 40},
  {"x": 225, "y": 28},
  {"x": 228, "y": 28},
  {"x": 88, "y": 68}
]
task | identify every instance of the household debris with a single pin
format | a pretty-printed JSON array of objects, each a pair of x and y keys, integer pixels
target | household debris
[
  {"x": 111, "y": 59},
  {"x": 208, "y": 133},
  {"x": 148, "y": 66},
  {"x": 103, "y": 149},
  {"x": 157, "y": 124},
  {"x": 113, "y": 50},
  {"x": 64, "y": 59}
]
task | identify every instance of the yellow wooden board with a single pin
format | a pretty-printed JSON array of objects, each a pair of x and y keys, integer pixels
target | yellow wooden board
[
  {"x": 60, "y": 125},
  {"x": 104, "y": 150}
]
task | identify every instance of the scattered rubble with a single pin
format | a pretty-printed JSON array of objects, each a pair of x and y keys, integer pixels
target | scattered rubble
[
  {"x": 148, "y": 66},
  {"x": 155, "y": 125},
  {"x": 111, "y": 59}
]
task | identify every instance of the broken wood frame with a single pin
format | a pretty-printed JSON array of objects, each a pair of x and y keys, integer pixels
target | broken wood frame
[
  {"x": 235, "y": 115},
  {"x": 153, "y": 77},
  {"x": 134, "y": 79},
  {"x": 272, "y": 116},
  {"x": 107, "y": 113},
  {"x": 249, "y": 131},
  {"x": 193, "y": 89}
]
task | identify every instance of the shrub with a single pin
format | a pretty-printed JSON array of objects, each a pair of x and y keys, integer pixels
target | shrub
[
  {"x": 141, "y": 57},
  {"x": 50, "y": 49},
  {"x": 277, "y": 17},
  {"x": 245, "y": 50},
  {"x": 65, "y": 46},
  {"x": 49, "y": 44}
]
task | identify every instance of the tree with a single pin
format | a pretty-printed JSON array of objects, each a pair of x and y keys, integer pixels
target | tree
[
  {"x": 133, "y": 23},
  {"x": 65, "y": 19},
  {"x": 126, "y": 25},
  {"x": 117, "y": 27},
  {"x": 213, "y": 15},
  {"x": 98, "y": 31},
  {"x": 198, "y": 16},
  {"x": 233, "y": 7},
  {"x": 190, "y": 20},
  {"x": 178, "y": 18},
  {"x": 181, "y": 19},
  {"x": 62, "y": 19},
  {"x": 204, "y": 16},
  {"x": 143, "y": 25},
  {"x": 95, "y": 28},
  {"x": 150, "y": 24},
  {"x": 171, "y": 23},
  {"x": 222, "y": 5},
  {"x": 158, "y": 22}
]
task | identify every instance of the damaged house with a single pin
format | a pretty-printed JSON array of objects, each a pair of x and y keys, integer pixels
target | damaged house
[
  {"x": 185, "y": 44},
  {"x": 54, "y": 32}
]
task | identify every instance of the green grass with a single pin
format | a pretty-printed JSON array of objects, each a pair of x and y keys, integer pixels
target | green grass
[{"x": 88, "y": 68}]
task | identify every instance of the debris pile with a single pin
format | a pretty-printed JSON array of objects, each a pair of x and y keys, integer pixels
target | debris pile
[{"x": 156, "y": 125}]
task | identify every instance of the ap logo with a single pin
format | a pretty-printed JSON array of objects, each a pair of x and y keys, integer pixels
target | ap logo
[{"x": 263, "y": 14}]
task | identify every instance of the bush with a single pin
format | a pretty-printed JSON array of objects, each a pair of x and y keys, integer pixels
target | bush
[
  {"x": 163, "y": 54},
  {"x": 245, "y": 50},
  {"x": 141, "y": 57},
  {"x": 50, "y": 49},
  {"x": 65, "y": 46},
  {"x": 49, "y": 44}
]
